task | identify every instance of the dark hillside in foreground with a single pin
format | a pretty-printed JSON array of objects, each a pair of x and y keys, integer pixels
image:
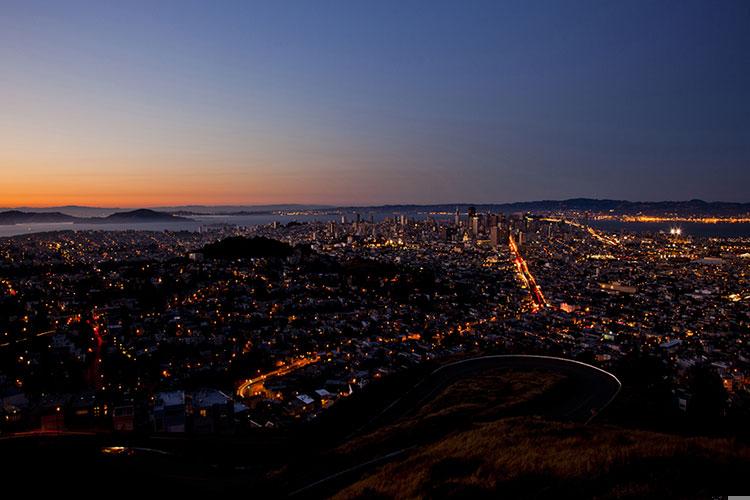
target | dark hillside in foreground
[
  {"x": 529, "y": 457},
  {"x": 478, "y": 437},
  {"x": 482, "y": 437}
]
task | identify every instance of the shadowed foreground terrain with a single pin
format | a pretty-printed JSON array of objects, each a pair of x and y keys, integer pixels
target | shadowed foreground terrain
[
  {"x": 475, "y": 430},
  {"x": 529, "y": 457},
  {"x": 476, "y": 441}
]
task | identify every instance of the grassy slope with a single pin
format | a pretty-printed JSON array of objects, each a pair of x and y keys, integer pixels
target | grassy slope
[
  {"x": 484, "y": 397},
  {"x": 471, "y": 448}
]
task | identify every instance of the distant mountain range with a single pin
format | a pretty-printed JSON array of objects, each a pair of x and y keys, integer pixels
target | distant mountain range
[
  {"x": 87, "y": 211},
  {"x": 239, "y": 209},
  {"x": 94, "y": 215},
  {"x": 12, "y": 217},
  {"x": 692, "y": 207}
]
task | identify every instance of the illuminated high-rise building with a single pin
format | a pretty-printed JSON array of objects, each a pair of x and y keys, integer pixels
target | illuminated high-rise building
[{"x": 494, "y": 236}]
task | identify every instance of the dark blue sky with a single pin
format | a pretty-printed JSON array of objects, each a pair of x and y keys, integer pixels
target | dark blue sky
[{"x": 373, "y": 102}]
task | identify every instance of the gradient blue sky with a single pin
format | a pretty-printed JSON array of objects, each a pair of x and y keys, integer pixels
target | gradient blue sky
[{"x": 152, "y": 103}]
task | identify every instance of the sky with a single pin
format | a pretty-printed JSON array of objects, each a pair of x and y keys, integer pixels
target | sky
[{"x": 155, "y": 103}]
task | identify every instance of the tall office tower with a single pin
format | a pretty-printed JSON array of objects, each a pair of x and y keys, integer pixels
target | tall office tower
[
  {"x": 521, "y": 238},
  {"x": 457, "y": 218},
  {"x": 434, "y": 226},
  {"x": 474, "y": 225},
  {"x": 471, "y": 214},
  {"x": 343, "y": 219},
  {"x": 450, "y": 234},
  {"x": 494, "y": 237},
  {"x": 403, "y": 219},
  {"x": 492, "y": 220}
]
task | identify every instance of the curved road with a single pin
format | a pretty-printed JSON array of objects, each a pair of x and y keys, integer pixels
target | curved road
[{"x": 583, "y": 393}]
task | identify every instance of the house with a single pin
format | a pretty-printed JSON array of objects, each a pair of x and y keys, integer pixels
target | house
[
  {"x": 325, "y": 397},
  {"x": 123, "y": 418},
  {"x": 51, "y": 411},
  {"x": 306, "y": 400},
  {"x": 13, "y": 409},
  {"x": 213, "y": 411},
  {"x": 301, "y": 405},
  {"x": 170, "y": 411},
  {"x": 86, "y": 412}
]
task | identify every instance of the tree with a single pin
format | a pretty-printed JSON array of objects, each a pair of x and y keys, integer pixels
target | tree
[{"x": 709, "y": 397}]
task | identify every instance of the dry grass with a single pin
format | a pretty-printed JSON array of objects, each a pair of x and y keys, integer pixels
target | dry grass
[
  {"x": 489, "y": 393},
  {"x": 529, "y": 457},
  {"x": 470, "y": 447},
  {"x": 481, "y": 398}
]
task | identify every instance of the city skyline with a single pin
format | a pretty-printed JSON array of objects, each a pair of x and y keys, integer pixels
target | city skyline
[
  {"x": 384, "y": 249},
  {"x": 388, "y": 103}
]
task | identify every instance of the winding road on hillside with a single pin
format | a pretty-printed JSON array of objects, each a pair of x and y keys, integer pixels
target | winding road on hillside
[
  {"x": 586, "y": 390},
  {"x": 583, "y": 393}
]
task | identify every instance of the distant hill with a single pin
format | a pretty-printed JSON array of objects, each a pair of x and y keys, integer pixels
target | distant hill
[
  {"x": 141, "y": 215},
  {"x": 12, "y": 217},
  {"x": 689, "y": 207},
  {"x": 74, "y": 210},
  {"x": 593, "y": 205},
  {"x": 238, "y": 209},
  {"x": 238, "y": 247}
]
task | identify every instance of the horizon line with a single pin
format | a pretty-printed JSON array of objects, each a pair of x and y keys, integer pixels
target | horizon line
[{"x": 375, "y": 205}]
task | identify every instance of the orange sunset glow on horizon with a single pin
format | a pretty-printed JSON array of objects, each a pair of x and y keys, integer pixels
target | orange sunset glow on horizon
[{"x": 251, "y": 103}]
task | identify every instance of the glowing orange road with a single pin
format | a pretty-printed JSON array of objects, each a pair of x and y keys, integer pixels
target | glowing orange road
[
  {"x": 593, "y": 232},
  {"x": 244, "y": 387},
  {"x": 526, "y": 276}
]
